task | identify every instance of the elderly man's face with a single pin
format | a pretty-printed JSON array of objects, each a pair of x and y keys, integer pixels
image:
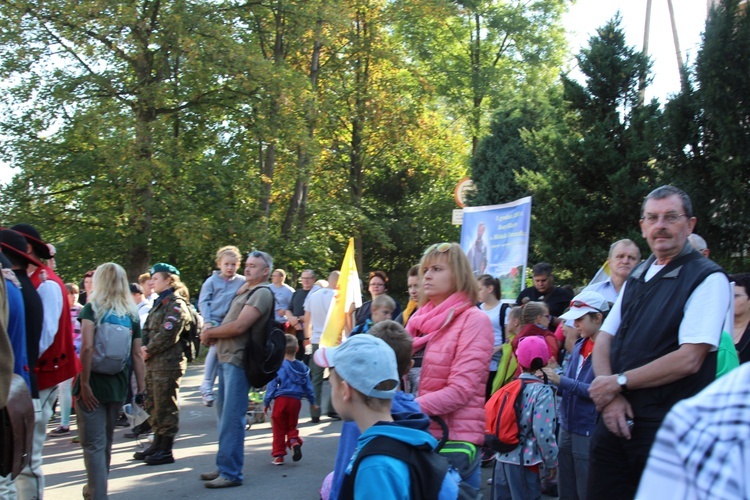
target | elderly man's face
[
  {"x": 623, "y": 260},
  {"x": 308, "y": 280},
  {"x": 666, "y": 239},
  {"x": 543, "y": 282},
  {"x": 256, "y": 270}
]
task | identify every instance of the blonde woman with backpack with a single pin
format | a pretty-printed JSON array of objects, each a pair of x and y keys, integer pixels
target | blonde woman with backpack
[{"x": 99, "y": 395}]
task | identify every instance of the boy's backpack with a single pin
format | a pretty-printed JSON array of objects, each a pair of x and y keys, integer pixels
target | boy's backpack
[
  {"x": 502, "y": 433},
  {"x": 263, "y": 357},
  {"x": 112, "y": 343},
  {"x": 427, "y": 468}
]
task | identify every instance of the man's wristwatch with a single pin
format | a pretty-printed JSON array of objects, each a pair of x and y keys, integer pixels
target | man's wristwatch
[{"x": 622, "y": 381}]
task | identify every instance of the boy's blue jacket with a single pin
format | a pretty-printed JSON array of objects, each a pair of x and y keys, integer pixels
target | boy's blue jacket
[
  {"x": 384, "y": 477},
  {"x": 402, "y": 404},
  {"x": 292, "y": 380},
  {"x": 577, "y": 410}
]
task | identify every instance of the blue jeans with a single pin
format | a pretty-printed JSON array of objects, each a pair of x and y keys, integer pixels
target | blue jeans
[
  {"x": 515, "y": 482},
  {"x": 231, "y": 408},
  {"x": 573, "y": 465},
  {"x": 210, "y": 368}
]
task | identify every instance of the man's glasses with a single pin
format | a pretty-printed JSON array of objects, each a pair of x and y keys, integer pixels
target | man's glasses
[
  {"x": 439, "y": 247},
  {"x": 669, "y": 218}
]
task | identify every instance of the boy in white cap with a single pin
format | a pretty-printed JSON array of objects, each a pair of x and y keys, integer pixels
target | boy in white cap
[
  {"x": 577, "y": 411},
  {"x": 364, "y": 379}
]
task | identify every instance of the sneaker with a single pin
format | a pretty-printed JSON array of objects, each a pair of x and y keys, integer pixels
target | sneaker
[
  {"x": 296, "y": 452},
  {"x": 221, "y": 482},
  {"x": 333, "y": 415},
  {"x": 278, "y": 461},
  {"x": 209, "y": 476},
  {"x": 61, "y": 430},
  {"x": 122, "y": 421},
  {"x": 315, "y": 420},
  {"x": 208, "y": 398},
  {"x": 76, "y": 440}
]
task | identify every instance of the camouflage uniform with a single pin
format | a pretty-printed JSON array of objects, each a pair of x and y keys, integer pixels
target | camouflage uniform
[{"x": 166, "y": 362}]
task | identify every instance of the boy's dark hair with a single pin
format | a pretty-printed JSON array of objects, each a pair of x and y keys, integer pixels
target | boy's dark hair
[
  {"x": 398, "y": 339},
  {"x": 292, "y": 345}
]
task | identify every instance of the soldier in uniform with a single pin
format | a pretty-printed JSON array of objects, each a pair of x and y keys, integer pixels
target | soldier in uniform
[{"x": 165, "y": 361}]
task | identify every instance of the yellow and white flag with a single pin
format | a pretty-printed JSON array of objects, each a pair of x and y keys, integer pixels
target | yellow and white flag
[{"x": 348, "y": 297}]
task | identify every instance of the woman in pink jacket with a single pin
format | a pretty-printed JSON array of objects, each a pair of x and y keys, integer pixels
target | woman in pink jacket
[{"x": 454, "y": 339}]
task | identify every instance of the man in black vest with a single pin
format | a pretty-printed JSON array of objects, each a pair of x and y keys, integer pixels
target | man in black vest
[{"x": 658, "y": 344}]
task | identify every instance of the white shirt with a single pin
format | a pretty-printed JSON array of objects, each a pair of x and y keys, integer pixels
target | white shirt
[
  {"x": 317, "y": 304},
  {"x": 52, "y": 301},
  {"x": 604, "y": 288},
  {"x": 704, "y": 310}
]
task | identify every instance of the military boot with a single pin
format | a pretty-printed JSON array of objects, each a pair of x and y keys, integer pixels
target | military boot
[
  {"x": 163, "y": 454},
  {"x": 141, "y": 455}
]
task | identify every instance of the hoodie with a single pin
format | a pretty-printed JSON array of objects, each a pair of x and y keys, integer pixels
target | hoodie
[
  {"x": 381, "y": 476},
  {"x": 216, "y": 296},
  {"x": 292, "y": 380}
]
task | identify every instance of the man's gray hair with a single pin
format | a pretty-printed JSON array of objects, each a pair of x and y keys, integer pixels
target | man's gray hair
[
  {"x": 624, "y": 241},
  {"x": 267, "y": 259},
  {"x": 665, "y": 192},
  {"x": 698, "y": 242}
]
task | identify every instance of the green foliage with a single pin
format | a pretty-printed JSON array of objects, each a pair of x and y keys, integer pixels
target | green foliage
[
  {"x": 598, "y": 163},
  {"x": 707, "y": 146}
]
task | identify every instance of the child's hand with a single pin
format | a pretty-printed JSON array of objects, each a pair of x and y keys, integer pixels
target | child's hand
[
  {"x": 552, "y": 473},
  {"x": 265, "y": 410},
  {"x": 315, "y": 407}
]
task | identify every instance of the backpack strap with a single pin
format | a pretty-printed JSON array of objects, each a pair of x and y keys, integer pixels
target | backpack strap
[{"x": 427, "y": 469}]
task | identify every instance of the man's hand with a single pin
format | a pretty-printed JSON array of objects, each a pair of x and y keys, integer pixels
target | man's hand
[
  {"x": 144, "y": 351},
  {"x": 616, "y": 415},
  {"x": 603, "y": 390},
  {"x": 205, "y": 336}
]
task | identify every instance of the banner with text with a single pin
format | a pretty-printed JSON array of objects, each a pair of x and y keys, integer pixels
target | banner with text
[{"x": 496, "y": 240}]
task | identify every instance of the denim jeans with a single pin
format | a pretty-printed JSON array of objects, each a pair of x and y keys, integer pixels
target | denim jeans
[
  {"x": 96, "y": 428},
  {"x": 210, "y": 368},
  {"x": 66, "y": 401},
  {"x": 515, "y": 482},
  {"x": 231, "y": 408},
  {"x": 573, "y": 465}
]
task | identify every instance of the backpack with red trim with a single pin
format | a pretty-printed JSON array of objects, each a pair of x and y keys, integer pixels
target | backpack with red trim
[{"x": 502, "y": 433}]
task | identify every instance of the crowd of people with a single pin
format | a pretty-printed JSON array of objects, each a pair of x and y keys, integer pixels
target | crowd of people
[{"x": 611, "y": 373}]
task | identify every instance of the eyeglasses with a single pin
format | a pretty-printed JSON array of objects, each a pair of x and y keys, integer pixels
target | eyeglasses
[
  {"x": 579, "y": 304},
  {"x": 440, "y": 247},
  {"x": 669, "y": 218}
]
